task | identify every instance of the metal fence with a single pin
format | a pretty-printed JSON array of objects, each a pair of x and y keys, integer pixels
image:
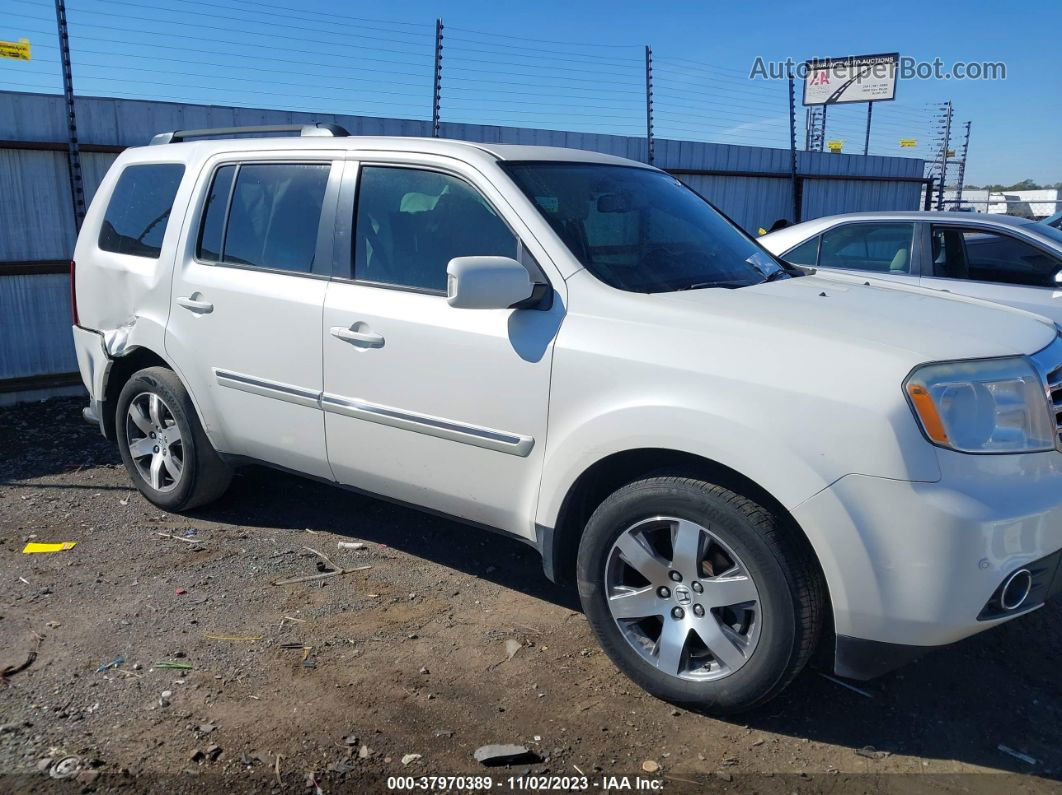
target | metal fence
[
  {"x": 131, "y": 68},
  {"x": 754, "y": 185},
  {"x": 254, "y": 53}
]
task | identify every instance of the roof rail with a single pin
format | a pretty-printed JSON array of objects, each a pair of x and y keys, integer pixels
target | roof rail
[{"x": 305, "y": 130}]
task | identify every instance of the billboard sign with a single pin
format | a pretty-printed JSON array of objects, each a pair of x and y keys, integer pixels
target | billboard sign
[{"x": 855, "y": 78}]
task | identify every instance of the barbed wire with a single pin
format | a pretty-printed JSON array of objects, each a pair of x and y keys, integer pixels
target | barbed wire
[{"x": 255, "y": 53}]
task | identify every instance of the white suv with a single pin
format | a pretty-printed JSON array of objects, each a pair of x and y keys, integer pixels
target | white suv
[{"x": 727, "y": 455}]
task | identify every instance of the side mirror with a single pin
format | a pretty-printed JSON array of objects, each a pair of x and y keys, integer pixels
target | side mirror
[{"x": 487, "y": 283}]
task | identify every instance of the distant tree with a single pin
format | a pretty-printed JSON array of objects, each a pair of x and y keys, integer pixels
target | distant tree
[{"x": 1025, "y": 184}]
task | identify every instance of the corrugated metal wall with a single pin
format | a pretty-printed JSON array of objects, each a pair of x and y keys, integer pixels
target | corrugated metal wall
[
  {"x": 750, "y": 184},
  {"x": 35, "y": 325}
]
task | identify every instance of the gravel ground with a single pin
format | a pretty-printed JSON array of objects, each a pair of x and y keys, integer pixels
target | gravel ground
[{"x": 451, "y": 639}]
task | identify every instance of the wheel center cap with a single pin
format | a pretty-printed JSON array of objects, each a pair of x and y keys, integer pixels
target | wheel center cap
[{"x": 682, "y": 595}]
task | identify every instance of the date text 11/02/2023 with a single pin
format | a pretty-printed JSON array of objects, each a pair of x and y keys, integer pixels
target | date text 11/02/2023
[{"x": 525, "y": 783}]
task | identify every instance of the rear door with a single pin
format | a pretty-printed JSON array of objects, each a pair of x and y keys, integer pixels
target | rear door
[
  {"x": 444, "y": 408},
  {"x": 248, "y": 295},
  {"x": 994, "y": 265}
]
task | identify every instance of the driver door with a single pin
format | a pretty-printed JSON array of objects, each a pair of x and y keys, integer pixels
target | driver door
[{"x": 440, "y": 407}]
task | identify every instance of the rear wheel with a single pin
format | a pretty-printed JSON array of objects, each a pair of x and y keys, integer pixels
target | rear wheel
[
  {"x": 163, "y": 444},
  {"x": 699, "y": 594}
]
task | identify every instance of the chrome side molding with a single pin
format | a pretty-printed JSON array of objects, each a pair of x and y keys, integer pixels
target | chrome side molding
[
  {"x": 464, "y": 433},
  {"x": 270, "y": 389},
  {"x": 501, "y": 441}
]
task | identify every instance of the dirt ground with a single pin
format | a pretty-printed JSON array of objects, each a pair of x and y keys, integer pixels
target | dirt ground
[{"x": 410, "y": 656}]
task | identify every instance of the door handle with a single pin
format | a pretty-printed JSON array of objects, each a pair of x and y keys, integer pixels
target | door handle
[
  {"x": 363, "y": 339},
  {"x": 204, "y": 307}
]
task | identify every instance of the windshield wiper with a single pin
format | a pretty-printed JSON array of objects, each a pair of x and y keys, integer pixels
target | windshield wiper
[
  {"x": 702, "y": 285},
  {"x": 774, "y": 276}
]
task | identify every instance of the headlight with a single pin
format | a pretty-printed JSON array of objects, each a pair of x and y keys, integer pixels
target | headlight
[{"x": 987, "y": 406}]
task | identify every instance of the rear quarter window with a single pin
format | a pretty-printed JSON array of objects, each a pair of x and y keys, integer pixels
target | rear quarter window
[{"x": 139, "y": 209}]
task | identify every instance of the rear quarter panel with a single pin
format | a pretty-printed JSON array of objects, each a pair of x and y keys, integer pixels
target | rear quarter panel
[{"x": 127, "y": 298}]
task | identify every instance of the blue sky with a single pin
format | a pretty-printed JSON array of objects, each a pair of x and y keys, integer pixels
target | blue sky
[{"x": 570, "y": 65}]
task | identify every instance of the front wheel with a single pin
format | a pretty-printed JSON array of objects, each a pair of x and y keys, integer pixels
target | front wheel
[
  {"x": 163, "y": 444},
  {"x": 698, "y": 594}
]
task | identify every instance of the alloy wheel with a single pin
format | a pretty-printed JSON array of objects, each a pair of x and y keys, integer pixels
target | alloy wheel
[
  {"x": 683, "y": 599},
  {"x": 154, "y": 440}
]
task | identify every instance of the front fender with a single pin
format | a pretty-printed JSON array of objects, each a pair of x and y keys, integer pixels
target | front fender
[{"x": 783, "y": 473}]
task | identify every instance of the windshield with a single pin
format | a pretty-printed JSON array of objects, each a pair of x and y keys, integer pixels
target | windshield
[{"x": 642, "y": 230}]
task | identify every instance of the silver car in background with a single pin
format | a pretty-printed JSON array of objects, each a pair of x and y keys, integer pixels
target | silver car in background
[{"x": 995, "y": 257}]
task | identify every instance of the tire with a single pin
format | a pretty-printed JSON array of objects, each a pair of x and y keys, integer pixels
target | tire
[
  {"x": 175, "y": 471},
  {"x": 735, "y": 652}
]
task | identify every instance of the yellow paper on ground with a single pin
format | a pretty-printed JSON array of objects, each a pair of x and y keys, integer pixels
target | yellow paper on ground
[{"x": 31, "y": 548}]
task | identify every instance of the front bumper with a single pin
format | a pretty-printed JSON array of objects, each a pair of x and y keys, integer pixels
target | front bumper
[{"x": 916, "y": 564}]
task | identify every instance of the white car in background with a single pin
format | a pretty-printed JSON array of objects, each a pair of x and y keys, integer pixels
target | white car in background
[{"x": 995, "y": 257}]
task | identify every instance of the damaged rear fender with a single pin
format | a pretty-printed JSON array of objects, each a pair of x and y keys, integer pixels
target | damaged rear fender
[{"x": 108, "y": 358}]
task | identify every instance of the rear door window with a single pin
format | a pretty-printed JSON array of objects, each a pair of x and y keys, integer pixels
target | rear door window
[
  {"x": 876, "y": 247},
  {"x": 139, "y": 210},
  {"x": 274, "y": 216},
  {"x": 212, "y": 230},
  {"x": 264, "y": 215},
  {"x": 982, "y": 255}
]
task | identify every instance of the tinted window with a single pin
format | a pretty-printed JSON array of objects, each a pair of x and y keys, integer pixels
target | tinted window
[
  {"x": 274, "y": 216},
  {"x": 639, "y": 229},
  {"x": 136, "y": 218},
  {"x": 1052, "y": 230},
  {"x": 991, "y": 257},
  {"x": 213, "y": 227},
  {"x": 877, "y": 247},
  {"x": 410, "y": 223},
  {"x": 807, "y": 253}
]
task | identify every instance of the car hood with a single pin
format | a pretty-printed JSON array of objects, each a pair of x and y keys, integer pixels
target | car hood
[{"x": 931, "y": 325}]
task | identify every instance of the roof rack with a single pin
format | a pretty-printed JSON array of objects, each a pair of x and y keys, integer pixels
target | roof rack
[{"x": 304, "y": 130}]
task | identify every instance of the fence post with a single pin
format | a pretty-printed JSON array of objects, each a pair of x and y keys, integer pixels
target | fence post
[
  {"x": 944, "y": 156},
  {"x": 962, "y": 167},
  {"x": 436, "y": 98},
  {"x": 793, "y": 151},
  {"x": 77, "y": 185},
  {"x": 650, "y": 145}
]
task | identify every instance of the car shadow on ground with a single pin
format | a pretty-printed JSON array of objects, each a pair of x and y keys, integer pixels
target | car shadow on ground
[
  {"x": 268, "y": 498},
  {"x": 1000, "y": 688},
  {"x": 958, "y": 703},
  {"x": 983, "y": 701}
]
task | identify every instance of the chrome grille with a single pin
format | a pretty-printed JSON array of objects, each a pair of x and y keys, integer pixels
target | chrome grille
[
  {"x": 1048, "y": 363},
  {"x": 1054, "y": 386}
]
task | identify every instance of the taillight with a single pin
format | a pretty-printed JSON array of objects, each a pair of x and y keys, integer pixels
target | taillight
[{"x": 73, "y": 297}]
